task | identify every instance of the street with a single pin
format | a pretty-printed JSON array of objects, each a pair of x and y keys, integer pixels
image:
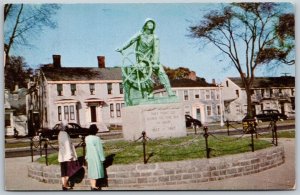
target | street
[{"x": 12, "y": 153}]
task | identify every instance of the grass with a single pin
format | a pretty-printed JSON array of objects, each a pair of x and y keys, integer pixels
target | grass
[
  {"x": 280, "y": 134},
  {"x": 17, "y": 145},
  {"x": 175, "y": 149}
]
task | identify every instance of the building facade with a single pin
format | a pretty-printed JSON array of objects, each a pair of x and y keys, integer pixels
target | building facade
[
  {"x": 267, "y": 93},
  {"x": 15, "y": 112},
  {"x": 82, "y": 95},
  {"x": 200, "y": 100}
]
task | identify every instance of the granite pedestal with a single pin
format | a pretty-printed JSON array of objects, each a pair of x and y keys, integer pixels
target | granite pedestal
[{"x": 157, "y": 120}]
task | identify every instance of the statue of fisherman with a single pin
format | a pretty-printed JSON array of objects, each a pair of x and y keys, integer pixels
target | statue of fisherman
[{"x": 147, "y": 47}]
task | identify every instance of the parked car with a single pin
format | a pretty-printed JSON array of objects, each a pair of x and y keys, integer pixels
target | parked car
[
  {"x": 190, "y": 121},
  {"x": 73, "y": 129},
  {"x": 269, "y": 115}
]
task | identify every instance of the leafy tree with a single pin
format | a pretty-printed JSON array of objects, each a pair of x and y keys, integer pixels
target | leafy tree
[
  {"x": 178, "y": 73},
  {"x": 22, "y": 21},
  {"x": 16, "y": 72},
  {"x": 250, "y": 35}
]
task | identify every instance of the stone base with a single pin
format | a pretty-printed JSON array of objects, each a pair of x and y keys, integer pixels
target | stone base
[
  {"x": 155, "y": 100},
  {"x": 157, "y": 120}
]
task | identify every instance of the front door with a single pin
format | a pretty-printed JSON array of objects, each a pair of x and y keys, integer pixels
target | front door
[
  {"x": 93, "y": 114},
  {"x": 282, "y": 108}
]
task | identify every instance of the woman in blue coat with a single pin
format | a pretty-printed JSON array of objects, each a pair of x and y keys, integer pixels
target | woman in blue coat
[{"x": 95, "y": 157}]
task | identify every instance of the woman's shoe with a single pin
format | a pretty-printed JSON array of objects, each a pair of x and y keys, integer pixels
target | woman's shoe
[
  {"x": 95, "y": 189},
  {"x": 66, "y": 188}
]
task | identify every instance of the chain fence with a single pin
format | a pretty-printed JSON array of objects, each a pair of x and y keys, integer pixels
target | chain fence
[{"x": 201, "y": 141}]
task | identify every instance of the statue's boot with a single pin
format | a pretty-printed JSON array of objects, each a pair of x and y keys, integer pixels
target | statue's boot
[{"x": 166, "y": 83}]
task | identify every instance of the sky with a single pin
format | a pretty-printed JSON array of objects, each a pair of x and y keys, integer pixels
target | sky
[{"x": 85, "y": 31}]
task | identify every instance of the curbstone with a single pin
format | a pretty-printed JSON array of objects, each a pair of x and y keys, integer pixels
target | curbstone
[{"x": 179, "y": 172}]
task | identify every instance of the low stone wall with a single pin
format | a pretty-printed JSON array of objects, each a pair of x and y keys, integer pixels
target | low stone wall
[{"x": 179, "y": 172}]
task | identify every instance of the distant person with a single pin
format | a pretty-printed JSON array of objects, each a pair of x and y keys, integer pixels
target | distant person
[
  {"x": 66, "y": 153},
  {"x": 95, "y": 157}
]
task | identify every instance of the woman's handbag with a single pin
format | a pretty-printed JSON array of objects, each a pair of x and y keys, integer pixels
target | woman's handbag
[{"x": 73, "y": 167}]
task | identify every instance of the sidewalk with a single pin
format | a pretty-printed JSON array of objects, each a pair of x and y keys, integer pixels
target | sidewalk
[{"x": 278, "y": 178}]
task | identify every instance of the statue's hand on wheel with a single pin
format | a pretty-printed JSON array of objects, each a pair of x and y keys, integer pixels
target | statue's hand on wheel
[{"x": 119, "y": 50}]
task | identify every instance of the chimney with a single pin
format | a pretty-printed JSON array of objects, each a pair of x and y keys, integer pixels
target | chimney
[
  {"x": 56, "y": 61},
  {"x": 213, "y": 81},
  {"x": 101, "y": 61}
]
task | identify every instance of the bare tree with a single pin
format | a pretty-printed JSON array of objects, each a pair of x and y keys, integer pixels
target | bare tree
[
  {"x": 248, "y": 34},
  {"x": 26, "y": 20},
  {"x": 7, "y": 10}
]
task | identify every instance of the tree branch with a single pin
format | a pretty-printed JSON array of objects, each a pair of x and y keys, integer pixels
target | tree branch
[{"x": 11, "y": 39}]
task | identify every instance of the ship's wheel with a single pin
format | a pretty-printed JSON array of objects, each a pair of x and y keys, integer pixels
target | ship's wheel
[{"x": 137, "y": 71}]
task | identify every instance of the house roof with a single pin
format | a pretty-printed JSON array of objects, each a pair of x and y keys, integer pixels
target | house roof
[
  {"x": 190, "y": 83},
  {"x": 81, "y": 73},
  {"x": 177, "y": 83},
  {"x": 267, "y": 82}
]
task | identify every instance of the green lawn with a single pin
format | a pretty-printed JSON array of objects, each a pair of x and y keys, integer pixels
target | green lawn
[
  {"x": 175, "y": 149},
  {"x": 280, "y": 134}
]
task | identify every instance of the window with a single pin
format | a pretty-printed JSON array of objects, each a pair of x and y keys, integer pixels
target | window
[
  {"x": 118, "y": 110},
  {"x": 245, "y": 108},
  {"x": 7, "y": 120},
  {"x": 218, "y": 94},
  {"x": 111, "y": 110},
  {"x": 262, "y": 92},
  {"x": 197, "y": 96},
  {"x": 293, "y": 103},
  {"x": 208, "y": 110},
  {"x": 121, "y": 88},
  {"x": 72, "y": 113},
  {"x": 293, "y": 92},
  {"x": 271, "y": 92},
  {"x": 59, "y": 89},
  {"x": 219, "y": 109},
  {"x": 227, "y": 109},
  {"x": 109, "y": 88},
  {"x": 66, "y": 113},
  {"x": 92, "y": 88},
  {"x": 227, "y": 84},
  {"x": 237, "y": 93},
  {"x": 238, "y": 110},
  {"x": 212, "y": 94},
  {"x": 46, "y": 119},
  {"x": 73, "y": 89},
  {"x": 59, "y": 113},
  {"x": 207, "y": 94},
  {"x": 186, "y": 95}
]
